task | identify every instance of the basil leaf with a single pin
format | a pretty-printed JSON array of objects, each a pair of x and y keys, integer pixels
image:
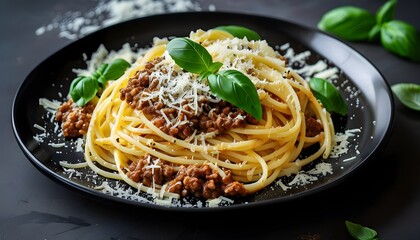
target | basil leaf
[
  {"x": 236, "y": 88},
  {"x": 408, "y": 94},
  {"x": 360, "y": 232},
  {"x": 348, "y": 22},
  {"x": 329, "y": 96},
  {"x": 191, "y": 56},
  {"x": 240, "y": 32},
  {"x": 114, "y": 70},
  {"x": 386, "y": 12},
  {"x": 83, "y": 89},
  {"x": 401, "y": 38}
]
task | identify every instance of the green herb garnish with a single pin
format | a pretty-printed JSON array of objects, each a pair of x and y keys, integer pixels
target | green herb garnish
[
  {"x": 408, "y": 94},
  {"x": 348, "y": 22},
  {"x": 360, "y": 232},
  {"x": 357, "y": 24},
  {"x": 401, "y": 38},
  {"x": 236, "y": 88},
  {"x": 329, "y": 96},
  {"x": 84, "y": 88},
  {"x": 230, "y": 85},
  {"x": 192, "y": 57},
  {"x": 240, "y": 32}
]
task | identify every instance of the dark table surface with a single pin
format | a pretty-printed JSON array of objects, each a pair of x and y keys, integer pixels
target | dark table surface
[{"x": 384, "y": 194}]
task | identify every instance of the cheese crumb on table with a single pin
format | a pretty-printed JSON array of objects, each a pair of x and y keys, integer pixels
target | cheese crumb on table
[{"x": 74, "y": 25}]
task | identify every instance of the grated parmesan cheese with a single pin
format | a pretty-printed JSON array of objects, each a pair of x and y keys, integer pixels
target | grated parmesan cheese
[
  {"x": 49, "y": 105},
  {"x": 221, "y": 200},
  {"x": 321, "y": 168},
  {"x": 57, "y": 145},
  {"x": 282, "y": 185},
  {"x": 327, "y": 73},
  {"x": 74, "y": 25},
  {"x": 342, "y": 142},
  {"x": 39, "y": 127},
  {"x": 302, "y": 178}
]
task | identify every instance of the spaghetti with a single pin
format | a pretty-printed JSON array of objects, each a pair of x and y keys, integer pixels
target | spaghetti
[{"x": 162, "y": 131}]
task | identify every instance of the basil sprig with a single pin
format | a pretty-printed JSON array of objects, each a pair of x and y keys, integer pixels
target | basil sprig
[
  {"x": 408, "y": 94},
  {"x": 240, "y": 32},
  {"x": 84, "y": 88},
  {"x": 356, "y": 24},
  {"x": 229, "y": 85},
  {"x": 360, "y": 232},
  {"x": 329, "y": 96}
]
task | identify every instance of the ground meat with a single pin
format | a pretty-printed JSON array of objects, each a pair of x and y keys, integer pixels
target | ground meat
[
  {"x": 215, "y": 116},
  {"x": 313, "y": 127},
  {"x": 147, "y": 171},
  {"x": 75, "y": 120},
  {"x": 194, "y": 180}
]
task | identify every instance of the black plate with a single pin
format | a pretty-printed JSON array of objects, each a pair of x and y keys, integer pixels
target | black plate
[{"x": 371, "y": 110}]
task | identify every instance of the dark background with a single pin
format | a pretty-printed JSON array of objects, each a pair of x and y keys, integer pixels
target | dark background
[{"x": 384, "y": 194}]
